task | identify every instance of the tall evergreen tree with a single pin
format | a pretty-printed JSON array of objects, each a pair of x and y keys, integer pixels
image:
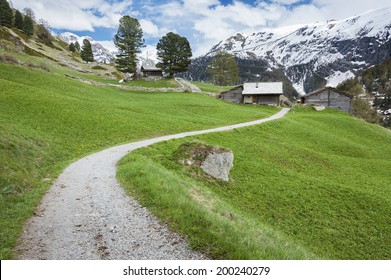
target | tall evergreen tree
[
  {"x": 224, "y": 69},
  {"x": 28, "y": 25},
  {"x": 129, "y": 41},
  {"x": 6, "y": 14},
  {"x": 19, "y": 23},
  {"x": 72, "y": 47},
  {"x": 174, "y": 53},
  {"x": 77, "y": 46},
  {"x": 86, "y": 51}
]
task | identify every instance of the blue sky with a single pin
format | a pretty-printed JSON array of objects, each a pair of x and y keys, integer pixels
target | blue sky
[{"x": 203, "y": 22}]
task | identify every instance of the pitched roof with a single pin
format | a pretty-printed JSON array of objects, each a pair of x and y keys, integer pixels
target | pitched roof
[
  {"x": 262, "y": 88},
  {"x": 237, "y": 87},
  {"x": 328, "y": 88},
  {"x": 150, "y": 69}
]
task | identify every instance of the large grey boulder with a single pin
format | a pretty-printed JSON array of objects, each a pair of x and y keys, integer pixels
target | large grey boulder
[
  {"x": 218, "y": 165},
  {"x": 214, "y": 161}
]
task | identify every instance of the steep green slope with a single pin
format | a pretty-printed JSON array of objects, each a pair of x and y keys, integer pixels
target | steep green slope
[
  {"x": 48, "y": 120},
  {"x": 311, "y": 185}
]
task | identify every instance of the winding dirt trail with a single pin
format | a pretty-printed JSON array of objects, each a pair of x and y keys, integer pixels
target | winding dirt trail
[{"x": 87, "y": 215}]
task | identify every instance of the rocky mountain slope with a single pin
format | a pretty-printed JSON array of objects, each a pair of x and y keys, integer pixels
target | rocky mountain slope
[{"x": 310, "y": 55}]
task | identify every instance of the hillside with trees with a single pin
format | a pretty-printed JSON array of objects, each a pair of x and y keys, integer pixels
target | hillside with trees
[
  {"x": 372, "y": 93},
  {"x": 224, "y": 69}
]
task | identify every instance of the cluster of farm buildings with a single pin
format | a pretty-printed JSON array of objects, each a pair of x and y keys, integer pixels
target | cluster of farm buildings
[{"x": 271, "y": 93}]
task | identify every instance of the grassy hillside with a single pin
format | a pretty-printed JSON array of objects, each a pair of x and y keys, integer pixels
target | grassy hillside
[
  {"x": 48, "y": 120},
  {"x": 311, "y": 185},
  {"x": 206, "y": 87}
]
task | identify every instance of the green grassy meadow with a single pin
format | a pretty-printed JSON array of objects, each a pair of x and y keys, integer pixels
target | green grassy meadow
[
  {"x": 314, "y": 185},
  {"x": 47, "y": 121},
  {"x": 206, "y": 87}
]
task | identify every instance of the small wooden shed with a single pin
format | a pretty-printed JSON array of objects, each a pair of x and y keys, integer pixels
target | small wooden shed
[
  {"x": 330, "y": 98},
  {"x": 262, "y": 93},
  {"x": 233, "y": 95},
  {"x": 151, "y": 73},
  {"x": 255, "y": 93}
]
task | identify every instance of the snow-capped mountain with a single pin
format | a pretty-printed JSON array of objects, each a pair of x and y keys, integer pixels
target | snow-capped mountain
[
  {"x": 325, "y": 52},
  {"x": 147, "y": 57},
  {"x": 101, "y": 54}
]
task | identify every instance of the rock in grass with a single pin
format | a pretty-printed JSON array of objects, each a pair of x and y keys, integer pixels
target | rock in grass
[
  {"x": 218, "y": 165},
  {"x": 214, "y": 161}
]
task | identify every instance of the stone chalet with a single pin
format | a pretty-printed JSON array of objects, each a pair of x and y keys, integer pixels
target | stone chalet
[
  {"x": 255, "y": 93},
  {"x": 329, "y": 97}
]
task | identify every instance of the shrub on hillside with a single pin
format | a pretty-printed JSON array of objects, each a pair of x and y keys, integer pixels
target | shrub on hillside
[
  {"x": 8, "y": 59},
  {"x": 98, "y": 67},
  {"x": 42, "y": 66}
]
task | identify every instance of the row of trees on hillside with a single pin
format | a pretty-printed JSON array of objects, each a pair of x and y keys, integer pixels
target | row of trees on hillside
[
  {"x": 85, "y": 51},
  {"x": 361, "y": 107},
  {"x": 74, "y": 47},
  {"x": 14, "y": 18},
  {"x": 25, "y": 22},
  {"x": 372, "y": 93},
  {"x": 174, "y": 51}
]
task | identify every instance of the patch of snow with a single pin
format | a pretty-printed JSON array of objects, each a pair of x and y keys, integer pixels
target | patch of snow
[
  {"x": 299, "y": 88},
  {"x": 339, "y": 77}
]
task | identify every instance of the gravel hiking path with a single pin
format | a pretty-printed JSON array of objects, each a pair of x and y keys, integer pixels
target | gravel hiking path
[
  {"x": 187, "y": 84},
  {"x": 87, "y": 215}
]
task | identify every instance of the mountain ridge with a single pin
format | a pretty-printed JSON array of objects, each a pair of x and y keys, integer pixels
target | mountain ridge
[{"x": 324, "y": 52}]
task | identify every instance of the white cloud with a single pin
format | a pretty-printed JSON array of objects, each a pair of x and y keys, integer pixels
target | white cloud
[
  {"x": 76, "y": 15},
  {"x": 203, "y": 22},
  {"x": 210, "y": 20},
  {"x": 200, "y": 6},
  {"x": 286, "y": 2},
  {"x": 206, "y": 22},
  {"x": 149, "y": 28},
  {"x": 322, "y": 10}
]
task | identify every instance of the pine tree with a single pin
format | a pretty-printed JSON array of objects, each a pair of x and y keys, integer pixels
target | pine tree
[
  {"x": 19, "y": 23},
  {"x": 86, "y": 51},
  {"x": 224, "y": 69},
  {"x": 174, "y": 52},
  {"x": 77, "y": 46},
  {"x": 72, "y": 47},
  {"x": 28, "y": 26},
  {"x": 6, "y": 14},
  {"x": 129, "y": 41}
]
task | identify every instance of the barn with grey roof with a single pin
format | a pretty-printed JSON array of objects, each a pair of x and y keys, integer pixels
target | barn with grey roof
[{"x": 255, "y": 93}]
